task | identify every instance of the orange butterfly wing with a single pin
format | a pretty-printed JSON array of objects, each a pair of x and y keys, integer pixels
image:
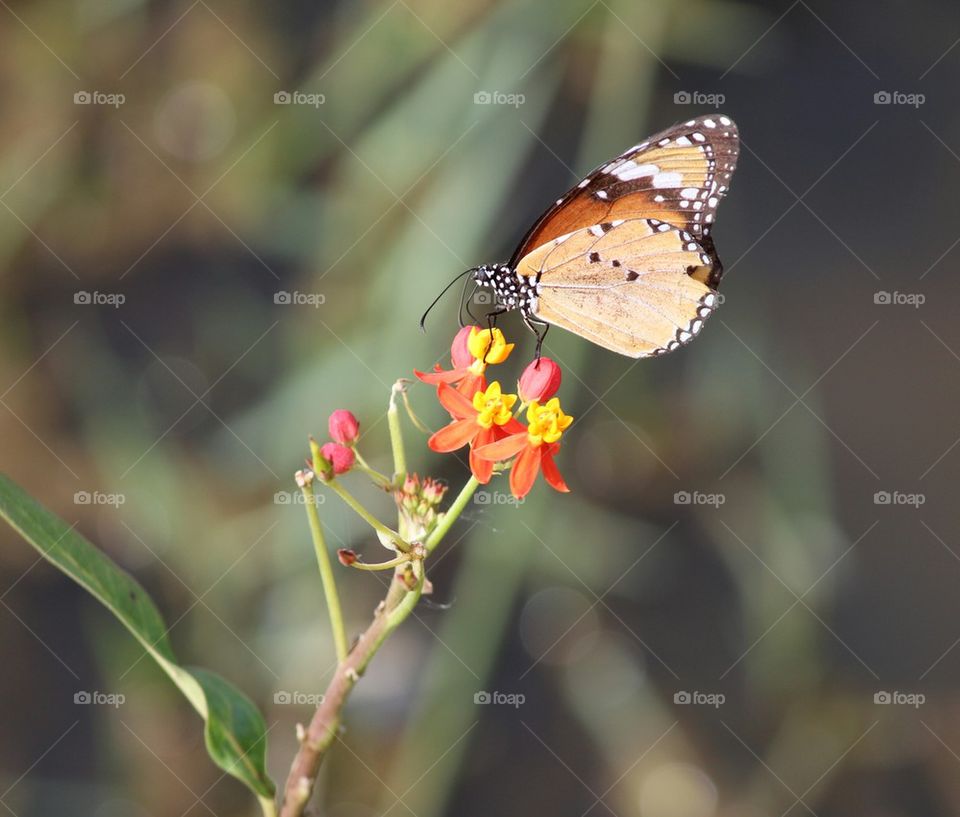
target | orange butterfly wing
[
  {"x": 624, "y": 285},
  {"x": 678, "y": 176}
]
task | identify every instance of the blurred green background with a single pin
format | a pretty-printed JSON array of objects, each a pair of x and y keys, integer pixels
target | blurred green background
[{"x": 784, "y": 611}]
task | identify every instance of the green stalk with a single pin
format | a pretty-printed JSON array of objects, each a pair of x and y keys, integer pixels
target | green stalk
[
  {"x": 452, "y": 514},
  {"x": 391, "y": 536},
  {"x": 378, "y": 479},
  {"x": 403, "y": 558},
  {"x": 267, "y": 806},
  {"x": 322, "y": 731},
  {"x": 396, "y": 435},
  {"x": 326, "y": 573}
]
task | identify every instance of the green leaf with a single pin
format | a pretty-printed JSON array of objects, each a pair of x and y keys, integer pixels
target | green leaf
[{"x": 235, "y": 732}]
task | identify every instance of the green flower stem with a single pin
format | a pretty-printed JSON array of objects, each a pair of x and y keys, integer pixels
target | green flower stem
[
  {"x": 267, "y": 806},
  {"x": 452, "y": 514},
  {"x": 402, "y": 559},
  {"x": 325, "y": 724},
  {"x": 326, "y": 573},
  {"x": 396, "y": 434},
  {"x": 380, "y": 480},
  {"x": 390, "y": 536}
]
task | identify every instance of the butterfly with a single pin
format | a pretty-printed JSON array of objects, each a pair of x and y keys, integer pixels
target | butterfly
[{"x": 625, "y": 259}]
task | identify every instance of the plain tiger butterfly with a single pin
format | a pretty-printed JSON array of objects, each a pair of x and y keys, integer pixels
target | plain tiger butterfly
[{"x": 625, "y": 258}]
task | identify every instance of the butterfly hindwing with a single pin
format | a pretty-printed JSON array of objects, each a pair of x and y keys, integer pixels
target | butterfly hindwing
[
  {"x": 625, "y": 285},
  {"x": 678, "y": 176}
]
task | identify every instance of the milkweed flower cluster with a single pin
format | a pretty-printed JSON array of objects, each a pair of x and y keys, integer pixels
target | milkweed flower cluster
[
  {"x": 484, "y": 418},
  {"x": 418, "y": 502},
  {"x": 517, "y": 431}
]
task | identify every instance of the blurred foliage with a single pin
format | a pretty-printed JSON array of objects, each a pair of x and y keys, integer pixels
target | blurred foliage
[{"x": 199, "y": 199}]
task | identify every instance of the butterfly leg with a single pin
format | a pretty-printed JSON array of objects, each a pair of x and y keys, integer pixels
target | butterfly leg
[
  {"x": 532, "y": 324},
  {"x": 491, "y": 324}
]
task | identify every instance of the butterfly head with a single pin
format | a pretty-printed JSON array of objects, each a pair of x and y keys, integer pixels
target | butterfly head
[{"x": 488, "y": 275}]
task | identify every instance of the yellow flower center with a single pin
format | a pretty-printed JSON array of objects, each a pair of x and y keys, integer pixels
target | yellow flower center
[
  {"x": 487, "y": 346},
  {"x": 493, "y": 407},
  {"x": 546, "y": 422}
]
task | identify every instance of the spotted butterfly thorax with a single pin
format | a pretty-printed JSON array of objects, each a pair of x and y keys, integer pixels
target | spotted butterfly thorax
[{"x": 625, "y": 259}]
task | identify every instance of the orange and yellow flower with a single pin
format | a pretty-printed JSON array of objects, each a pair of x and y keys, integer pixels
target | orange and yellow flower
[
  {"x": 477, "y": 422},
  {"x": 534, "y": 448},
  {"x": 472, "y": 350}
]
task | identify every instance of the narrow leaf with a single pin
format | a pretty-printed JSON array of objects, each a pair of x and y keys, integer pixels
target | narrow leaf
[{"x": 235, "y": 732}]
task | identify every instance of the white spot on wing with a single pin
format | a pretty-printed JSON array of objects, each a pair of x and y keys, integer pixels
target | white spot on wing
[
  {"x": 631, "y": 170},
  {"x": 667, "y": 179}
]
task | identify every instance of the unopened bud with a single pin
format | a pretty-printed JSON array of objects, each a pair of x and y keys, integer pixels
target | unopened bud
[
  {"x": 339, "y": 456},
  {"x": 539, "y": 381},
  {"x": 344, "y": 427}
]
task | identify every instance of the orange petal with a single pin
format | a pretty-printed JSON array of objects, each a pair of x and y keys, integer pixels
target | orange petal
[
  {"x": 551, "y": 473},
  {"x": 440, "y": 376},
  {"x": 524, "y": 471},
  {"x": 453, "y": 436},
  {"x": 454, "y": 402},
  {"x": 510, "y": 427},
  {"x": 482, "y": 469},
  {"x": 503, "y": 449},
  {"x": 471, "y": 384}
]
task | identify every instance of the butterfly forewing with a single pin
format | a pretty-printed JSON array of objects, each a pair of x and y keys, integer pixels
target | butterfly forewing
[
  {"x": 623, "y": 285},
  {"x": 678, "y": 176}
]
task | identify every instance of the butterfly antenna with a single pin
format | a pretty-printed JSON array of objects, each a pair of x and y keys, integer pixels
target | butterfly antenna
[
  {"x": 465, "y": 301},
  {"x": 443, "y": 292}
]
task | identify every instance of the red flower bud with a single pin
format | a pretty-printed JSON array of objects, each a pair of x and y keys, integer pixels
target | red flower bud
[
  {"x": 539, "y": 381},
  {"x": 460, "y": 350},
  {"x": 347, "y": 557},
  {"x": 341, "y": 457},
  {"x": 344, "y": 427}
]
